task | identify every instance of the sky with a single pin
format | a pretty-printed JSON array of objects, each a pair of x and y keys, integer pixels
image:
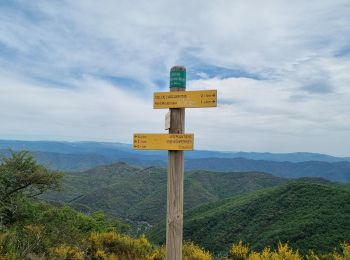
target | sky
[{"x": 86, "y": 70}]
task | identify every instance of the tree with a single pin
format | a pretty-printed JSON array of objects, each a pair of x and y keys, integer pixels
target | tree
[{"x": 22, "y": 177}]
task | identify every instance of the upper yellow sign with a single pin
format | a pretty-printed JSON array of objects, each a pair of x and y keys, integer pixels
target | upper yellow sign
[
  {"x": 182, "y": 99},
  {"x": 163, "y": 142}
]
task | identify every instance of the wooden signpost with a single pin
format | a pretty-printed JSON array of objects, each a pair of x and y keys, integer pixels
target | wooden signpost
[{"x": 176, "y": 142}]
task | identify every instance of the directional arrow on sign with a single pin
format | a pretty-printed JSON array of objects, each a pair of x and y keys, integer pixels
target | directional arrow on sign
[
  {"x": 185, "y": 99},
  {"x": 176, "y": 142}
]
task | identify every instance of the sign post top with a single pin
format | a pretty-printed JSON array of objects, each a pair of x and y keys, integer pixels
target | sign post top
[{"x": 178, "y": 77}]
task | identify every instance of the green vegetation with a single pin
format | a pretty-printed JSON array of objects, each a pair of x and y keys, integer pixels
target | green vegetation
[
  {"x": 301, "y": 212},
  {"x": 240, "y": 251},
  {"x": 336, "y": 171},
  {"x": 37, "y": 230},
  {"x": 21, "y": 177},
  {"x": 139, "y": 194},
  {"x": 307, "y": 215}
]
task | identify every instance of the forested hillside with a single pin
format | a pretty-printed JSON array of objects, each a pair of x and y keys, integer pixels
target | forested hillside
[
  {"x": 139, "y": 194},
  {"x": 336, "y": 171},
  {"x": 307, "y": 215}
]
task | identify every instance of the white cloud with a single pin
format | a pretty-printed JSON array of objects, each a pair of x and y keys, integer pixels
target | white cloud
[
  {"x": 258, "y": 115},
  {"x": 56, "y": 56},
  {"x": 93, "y": 110}
]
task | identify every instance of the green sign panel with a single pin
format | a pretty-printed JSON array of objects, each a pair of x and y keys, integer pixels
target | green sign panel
[{"x": 178, "y": 77}]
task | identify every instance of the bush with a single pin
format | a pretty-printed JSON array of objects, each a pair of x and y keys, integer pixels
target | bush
[
  {"x": 22, "y": 177},
  {"x": 190, "y": 252},
  {"x": 110, "y": 244},
  {"x": 65, "y": 252},
  {"x": 194, "y": 252},
  {"x": 239, "y": 251}
]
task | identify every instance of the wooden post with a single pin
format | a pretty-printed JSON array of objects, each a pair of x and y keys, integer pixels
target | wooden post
[
  {"x": 178, "y": 141},
  {"x": 174, "y": 228}
]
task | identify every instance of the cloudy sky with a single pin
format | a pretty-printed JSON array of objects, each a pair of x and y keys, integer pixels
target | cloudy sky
[{"x": 87, "y": 70}]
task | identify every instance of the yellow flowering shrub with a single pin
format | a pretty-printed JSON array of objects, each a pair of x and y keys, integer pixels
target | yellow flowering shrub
[
  {"x": 102, "y": 255},
  {"x": 332, "y": 256},
  {"x": 346, "y": 250},
  {"x": 157, "y": 254},
  {"x": 312, "y": 256},
  {"x": 336, "y": 256},
  {"x": 108, "y": 244},
  {"x": 190, "y": 251},
  {"x": 194, "y": 252},
  {"x": 255, "y": 256},
  {"x": 65, "y": 252},
  {"x": 265, "y": 254},
  {"x": 239, "y": 251},
  {"x": 285, "y": 253}
]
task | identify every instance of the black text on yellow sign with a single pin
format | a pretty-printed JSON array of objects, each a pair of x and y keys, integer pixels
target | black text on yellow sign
[
  {"x": 163, "y": 142},
  {"x": 185, "y": 99}
]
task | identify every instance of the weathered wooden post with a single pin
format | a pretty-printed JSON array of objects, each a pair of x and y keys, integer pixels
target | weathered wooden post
[
  {"x": 175, "y": 195},
  {"x": 176, "y": 142}
]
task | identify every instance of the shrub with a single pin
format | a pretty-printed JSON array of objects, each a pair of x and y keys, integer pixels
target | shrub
[
  {"x": 65, "y": 252},
  {"x": 119, "y": 245},
  {"x": 239, "y": 251},
  {"x": 346, "y": 250},
  {"x": 190, "y": 252},
  {"x": 194, "y": 252}
]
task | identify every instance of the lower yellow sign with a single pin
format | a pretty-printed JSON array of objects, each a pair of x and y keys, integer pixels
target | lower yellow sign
[{"x": 163, "y": 142}]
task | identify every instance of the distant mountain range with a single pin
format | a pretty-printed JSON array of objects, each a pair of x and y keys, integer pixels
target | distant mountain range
[
  {"x": 80, "y": 156},
  {"x": 117, "y": 151}
]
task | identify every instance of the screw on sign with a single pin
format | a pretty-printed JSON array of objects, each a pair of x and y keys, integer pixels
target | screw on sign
[{"x": 176, "y": 142}]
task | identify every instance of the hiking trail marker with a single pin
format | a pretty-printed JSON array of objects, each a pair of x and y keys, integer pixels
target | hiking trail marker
[
  {"x": 183, "y": 99},
  {"x": 176, "y": 142}
]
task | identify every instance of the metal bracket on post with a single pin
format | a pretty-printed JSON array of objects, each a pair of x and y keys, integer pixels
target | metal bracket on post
[{"x": 167, "y": 120}]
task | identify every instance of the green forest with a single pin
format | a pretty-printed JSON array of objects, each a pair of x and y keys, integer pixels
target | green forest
[{"x": 275, "y": 218}]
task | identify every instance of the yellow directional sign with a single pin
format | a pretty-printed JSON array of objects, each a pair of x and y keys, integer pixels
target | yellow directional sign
[
  {"x": 163, "y": 142},
  {"x": 182, "y": 99}
]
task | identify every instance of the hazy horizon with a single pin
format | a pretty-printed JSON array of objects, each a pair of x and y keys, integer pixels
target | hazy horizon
[
  {"x": 195, "y": 149},
  {"x": 82, "y": 70}
]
